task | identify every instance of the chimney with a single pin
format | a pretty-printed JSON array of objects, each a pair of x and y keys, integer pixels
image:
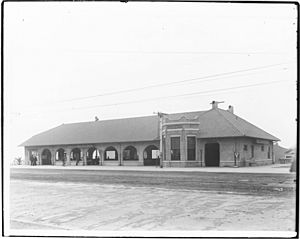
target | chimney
[
  {"x": 96, "y": 118},
  {"x": 230, "y": 109},
  {"x": 215, "y": 104}
]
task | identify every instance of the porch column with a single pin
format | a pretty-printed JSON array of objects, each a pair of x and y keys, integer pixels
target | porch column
[
  {"x": 39, "y": 156},
  {"x": 27, "y": 156},
  {"x": 120, "y": 155},
  {"x": 101, "y": 156},
  {"x": 53, "y": 151},
  {"x": 84, "y": 151},
  {"x": 68, "y": 152}
]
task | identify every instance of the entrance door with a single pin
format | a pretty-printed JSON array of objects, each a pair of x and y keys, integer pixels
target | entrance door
[
  {"x": 46, "y": 157},
  {"x": 212, "y": 155}
]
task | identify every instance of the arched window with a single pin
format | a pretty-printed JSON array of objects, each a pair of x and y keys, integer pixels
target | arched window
[
  {"x": 130, "y": 153},
  {"x": 110, "y": 153}
]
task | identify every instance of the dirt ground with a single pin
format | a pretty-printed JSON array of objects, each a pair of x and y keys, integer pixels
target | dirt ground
[{"x": 46, "y": 204}]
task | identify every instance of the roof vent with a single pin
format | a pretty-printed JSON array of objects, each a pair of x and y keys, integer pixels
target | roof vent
[
  {"x": 230, "y": 109},
  {"x": 215, "y": 104}
]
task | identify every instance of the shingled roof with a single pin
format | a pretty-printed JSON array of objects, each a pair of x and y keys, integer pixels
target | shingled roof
[{"x": 214, "y": 123}]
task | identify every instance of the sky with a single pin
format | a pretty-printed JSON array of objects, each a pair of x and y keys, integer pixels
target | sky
[{"x": 68, "y": 62}]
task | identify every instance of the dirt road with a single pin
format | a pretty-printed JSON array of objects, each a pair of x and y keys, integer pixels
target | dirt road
[{"x": 118, "y": 200}]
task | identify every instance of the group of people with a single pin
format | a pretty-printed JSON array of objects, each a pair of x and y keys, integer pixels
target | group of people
[{"x": 33, "y": 160}]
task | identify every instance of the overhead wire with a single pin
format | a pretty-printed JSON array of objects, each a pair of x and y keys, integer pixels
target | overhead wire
[
  {"x": 224, "y": 90},
  {"x": 180, "y": 95},
  {"x": 199, "y": 79}
]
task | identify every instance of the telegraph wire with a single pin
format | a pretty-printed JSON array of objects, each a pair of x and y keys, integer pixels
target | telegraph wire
[
  {"x": 180, "y": 95},
  {"x": 199, "y": 79},
  {"x": 217, "y": 78},
  {"x": 222, "y": 90}
]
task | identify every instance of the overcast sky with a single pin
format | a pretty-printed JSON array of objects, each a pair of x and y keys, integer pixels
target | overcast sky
[{"x": 58, "y": 54}]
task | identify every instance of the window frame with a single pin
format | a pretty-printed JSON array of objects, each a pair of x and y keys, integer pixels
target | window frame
[
  {"x": 174, "y": 158},
  {"x": 195, "y": 148},
  {"x": 109, "y": 149}
]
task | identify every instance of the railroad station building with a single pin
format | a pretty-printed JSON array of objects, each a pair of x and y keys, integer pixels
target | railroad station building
[{"x": 211, "y": 138}]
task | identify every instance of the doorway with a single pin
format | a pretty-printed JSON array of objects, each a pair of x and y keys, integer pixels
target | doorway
[
  {"x": 212, "y": 155},
  {"x": 46, "y": 157}
]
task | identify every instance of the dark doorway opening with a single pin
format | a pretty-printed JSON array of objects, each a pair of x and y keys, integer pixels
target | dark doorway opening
[
  {"x": 151, "y": 156},
  {"x": 93, "y": 156},
  {"x": 46, "y": 157},
  {"x": 212, "y": 155}
]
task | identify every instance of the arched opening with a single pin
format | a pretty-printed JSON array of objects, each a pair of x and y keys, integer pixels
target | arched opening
[
  {"x": 130, "y": 153},
  {"x": 212, "y": 155},
  {"x": 75, "y": 155},
  {"x": 60, "y": 155},
  {"x": 110, "y": 153},
  {"x": 151, "y": 154},
  {"x": 46, "y": 157},
  {"x": 92, "y": 156}
]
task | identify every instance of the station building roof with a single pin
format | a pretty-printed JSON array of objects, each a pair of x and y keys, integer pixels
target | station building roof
[{"x": 214, "y": 123}]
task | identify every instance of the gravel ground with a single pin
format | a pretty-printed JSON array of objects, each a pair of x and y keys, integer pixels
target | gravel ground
[{"x": 117, "y": 200}]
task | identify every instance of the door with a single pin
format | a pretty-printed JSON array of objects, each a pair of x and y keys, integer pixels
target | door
[{"x": 212, "y": 155}]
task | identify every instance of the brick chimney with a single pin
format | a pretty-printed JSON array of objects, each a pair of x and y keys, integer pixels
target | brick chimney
[{"x": 230, "y": 109}]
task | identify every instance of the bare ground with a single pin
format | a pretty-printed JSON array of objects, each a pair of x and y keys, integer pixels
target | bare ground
[{"x": 106, "y": 200}]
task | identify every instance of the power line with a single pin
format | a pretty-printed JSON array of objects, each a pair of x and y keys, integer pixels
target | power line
[
  {"x": 217, "y": 78},
  {"x": 184, "y": 52},
  {"x": 181, "y": 95},
  {"x": 224, "y": 90},
  {"x": 203, "y": 79}
]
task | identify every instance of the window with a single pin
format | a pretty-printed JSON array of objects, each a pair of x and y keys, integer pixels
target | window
[
  {"x": 252, "y": 151},
  {"x": 175, "y": 148},
  {"x": 111, "y": 154},
  {"x": 269, "y": 152},
  {"x": 245, "y": 147},
  {"x": 191, "y": 148},
  {"x": 155, "y": 153},
  {"x": 262, "y": 148}
]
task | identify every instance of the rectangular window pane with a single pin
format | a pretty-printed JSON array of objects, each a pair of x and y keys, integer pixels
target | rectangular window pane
[
  {"x": 191, "y": 145},
  {"x": 175, "y": 148},
  {"x": 110, "y": 154},
  {"x": 155, "y": 154}
]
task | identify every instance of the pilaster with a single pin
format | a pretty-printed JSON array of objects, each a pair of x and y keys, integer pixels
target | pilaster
[
  {"x": 68, "y": 154},
  {"x": 84, "y": 152},
  {"x": 27, "y": 156}
]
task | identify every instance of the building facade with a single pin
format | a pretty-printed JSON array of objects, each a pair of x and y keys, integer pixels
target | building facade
[{"x": 212, "y": 138}]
